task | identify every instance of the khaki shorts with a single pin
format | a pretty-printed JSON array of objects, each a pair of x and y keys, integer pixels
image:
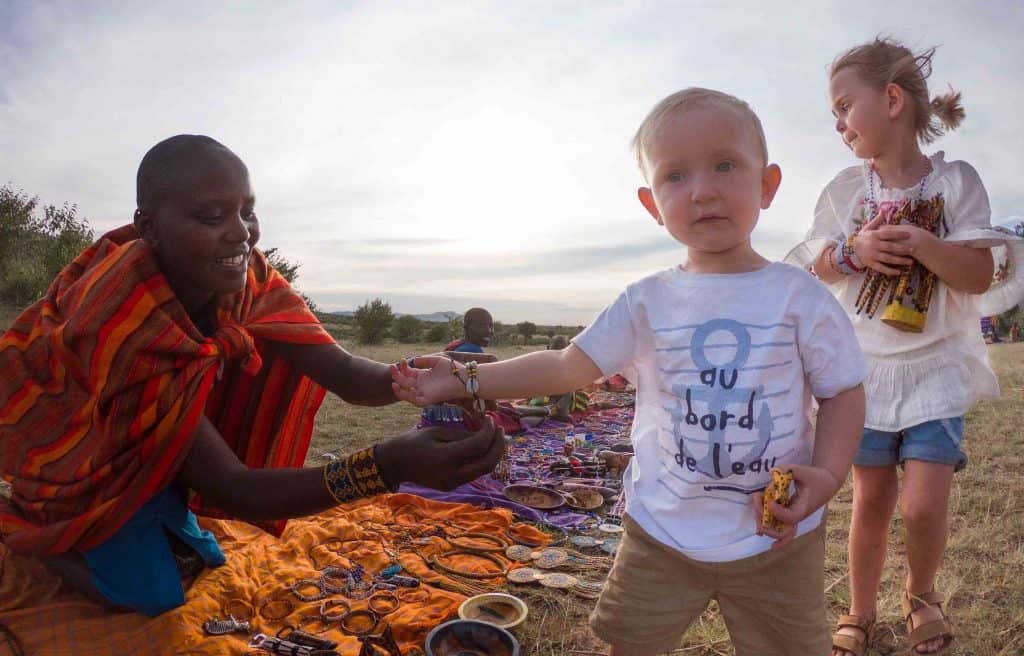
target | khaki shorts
[{"x": 773, "y": 603}]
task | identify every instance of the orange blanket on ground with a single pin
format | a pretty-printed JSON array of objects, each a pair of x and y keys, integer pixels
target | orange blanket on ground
[
  {"x": 53, "y": 621},
  {"x": 103, "y": 381}
]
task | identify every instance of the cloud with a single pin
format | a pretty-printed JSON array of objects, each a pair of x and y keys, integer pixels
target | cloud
[{"x": 480, "y": 149}]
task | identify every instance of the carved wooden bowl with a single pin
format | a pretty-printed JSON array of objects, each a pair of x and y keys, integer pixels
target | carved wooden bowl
[{"x": 534, "y": 496}]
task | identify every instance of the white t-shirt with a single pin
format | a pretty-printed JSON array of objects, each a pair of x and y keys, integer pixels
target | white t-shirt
[
  {"x": 942, "y": 371},
  {"x": 725, "y": 366}
]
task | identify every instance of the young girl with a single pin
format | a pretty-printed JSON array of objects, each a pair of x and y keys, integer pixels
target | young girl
[{"x": 907, "y": 248}]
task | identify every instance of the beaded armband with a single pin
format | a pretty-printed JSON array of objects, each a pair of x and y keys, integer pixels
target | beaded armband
[{"x": 355, "y": 476}]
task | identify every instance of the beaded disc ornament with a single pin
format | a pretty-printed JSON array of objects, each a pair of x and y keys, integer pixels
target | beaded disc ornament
[
  {"x": 519, "y": 553},
  {"x": 610, "y": 546},
  {"x": 584, "y": 541},
  {"x": 550, "y": 558},
  {"x": 609, "y": 528},
  {"x": 524, "y": 575},
  {"x": 558, "y": 580}
]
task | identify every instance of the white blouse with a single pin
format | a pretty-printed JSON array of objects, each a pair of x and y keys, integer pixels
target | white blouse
[{"x": 942, "y": 371}]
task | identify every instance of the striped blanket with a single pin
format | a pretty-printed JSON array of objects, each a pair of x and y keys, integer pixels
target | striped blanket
[{"x": 103, "y": 381}]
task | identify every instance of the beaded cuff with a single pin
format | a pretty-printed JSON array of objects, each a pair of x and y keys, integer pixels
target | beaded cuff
[{"x": 355, "y": 476}]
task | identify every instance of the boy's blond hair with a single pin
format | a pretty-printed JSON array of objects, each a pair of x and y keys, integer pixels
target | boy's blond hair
[{"x": 688, "y": 100}]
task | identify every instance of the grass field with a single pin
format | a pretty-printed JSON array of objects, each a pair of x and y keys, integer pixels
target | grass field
[{"x": 983, "y": 575}]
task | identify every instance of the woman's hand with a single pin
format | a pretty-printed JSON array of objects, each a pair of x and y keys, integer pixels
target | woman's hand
[
  {"x": 883, "y": 247},
  {"x": 441, "y": 458}
]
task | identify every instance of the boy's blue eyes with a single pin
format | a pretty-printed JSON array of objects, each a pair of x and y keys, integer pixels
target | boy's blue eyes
[{"x": 721, "y": 167}]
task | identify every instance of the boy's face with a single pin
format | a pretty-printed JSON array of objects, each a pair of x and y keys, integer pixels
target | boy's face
[
  {"x": 708, "y": 179},
  {"x": 203, "y": 227}
]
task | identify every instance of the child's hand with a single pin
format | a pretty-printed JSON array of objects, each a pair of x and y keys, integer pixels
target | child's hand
[
  {"x": 814, "y": 487},
  {"x": 882, "y": 247},
  {"x": 431, "y": 384}
]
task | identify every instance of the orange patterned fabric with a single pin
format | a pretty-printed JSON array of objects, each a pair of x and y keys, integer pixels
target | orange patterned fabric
[
  {"x": 52, "y": 621},
  {"x": 103, "y": 381}
]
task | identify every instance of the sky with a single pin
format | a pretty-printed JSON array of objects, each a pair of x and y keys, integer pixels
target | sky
[{"x": 444, "y": 155}]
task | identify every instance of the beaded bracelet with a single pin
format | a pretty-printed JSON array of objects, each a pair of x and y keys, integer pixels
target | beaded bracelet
[
  {"x": 299, "y": 585},
  {"x": 276, "y": 599},
  {"x": 355, "y": 476},
  {"x": 473, "y": 386}
]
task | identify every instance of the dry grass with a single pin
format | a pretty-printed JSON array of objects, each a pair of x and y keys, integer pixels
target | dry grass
[{"x": 983, "y": 574}]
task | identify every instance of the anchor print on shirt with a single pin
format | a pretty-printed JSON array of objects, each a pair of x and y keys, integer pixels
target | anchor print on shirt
[{"x": 721, "y": 429}]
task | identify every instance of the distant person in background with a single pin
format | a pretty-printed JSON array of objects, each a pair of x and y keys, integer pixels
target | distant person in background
[{"x": 478, "y": 329}]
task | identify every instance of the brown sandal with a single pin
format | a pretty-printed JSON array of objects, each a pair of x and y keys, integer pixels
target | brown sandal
[
  {"x": 939, "y": 628},
  {"x": 852, "y": 644}
]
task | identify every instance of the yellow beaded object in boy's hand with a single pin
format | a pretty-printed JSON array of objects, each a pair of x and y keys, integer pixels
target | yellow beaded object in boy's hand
[{"x": 777, "y": 491}]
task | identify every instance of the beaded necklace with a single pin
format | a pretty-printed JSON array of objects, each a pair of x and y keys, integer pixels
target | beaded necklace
[{"x": 871, "y": 173}]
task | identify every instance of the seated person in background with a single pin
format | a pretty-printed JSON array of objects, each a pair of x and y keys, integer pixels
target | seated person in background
[
  {"x": 562, "y": 407},
  {"x": 478, "y": 329},
  {"x": 170, "y": 358}
]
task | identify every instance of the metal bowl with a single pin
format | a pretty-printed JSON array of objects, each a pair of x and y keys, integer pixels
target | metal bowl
[
  {"x": 498, "y": 608},
  {"x": 470, "y": 638}
]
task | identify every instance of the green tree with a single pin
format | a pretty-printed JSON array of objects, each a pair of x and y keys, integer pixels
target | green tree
[
  {"x": 289, "y": 271},
  {"x": 527, "y": 329},
  {"x": 407, "y": 328},
  {"x": 438, "y": 332},
  {"x": 372, "y": 320},
  {"x": 33, "y": 248}
]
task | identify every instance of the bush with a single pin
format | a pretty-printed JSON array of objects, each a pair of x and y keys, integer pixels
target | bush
[
  {"x": 527, "y": 329},
  {"x": 372, "y": 320},
  {"x": 407, "y": 328},
  {"x": 34, "y": 249},
  {"x": 438, "y": 332}
]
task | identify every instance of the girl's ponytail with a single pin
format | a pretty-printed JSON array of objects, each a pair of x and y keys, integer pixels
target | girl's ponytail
[{"x": 947, "y": 113}]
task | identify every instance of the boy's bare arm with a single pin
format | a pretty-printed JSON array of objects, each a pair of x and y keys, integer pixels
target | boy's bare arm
[
  {"x": 540, "y": 372},
  {"x": 838, "y": 432}
]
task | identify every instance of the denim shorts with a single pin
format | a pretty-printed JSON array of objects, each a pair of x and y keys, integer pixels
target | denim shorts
[{"x": 933, "y": 441}]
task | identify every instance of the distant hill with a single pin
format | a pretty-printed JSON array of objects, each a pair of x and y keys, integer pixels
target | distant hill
[{"x": 434, "y": 317}]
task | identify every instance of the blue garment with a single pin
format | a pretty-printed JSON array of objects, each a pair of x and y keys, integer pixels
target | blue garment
[
  {"x": 468, "y": 347},
  {"x": 933, "y": 441},
  {"x": 136, "y": 567}
]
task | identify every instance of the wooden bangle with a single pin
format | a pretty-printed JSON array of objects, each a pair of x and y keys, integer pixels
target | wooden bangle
[
  {"x": 384, "y": 603},
  {"x": 325, "y": 610},
  {"x": 347, "y": 622},
  {"x": 500, "y": 542},
  {"x": 309, "y": 619},
  {"x": 231, "y": 604},
  {"x": 436, "y": 562},
  {"x": 279, "y": 599}
]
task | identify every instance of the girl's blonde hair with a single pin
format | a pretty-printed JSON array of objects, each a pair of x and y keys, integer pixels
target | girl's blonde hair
[{"x": 887, "y": 61}]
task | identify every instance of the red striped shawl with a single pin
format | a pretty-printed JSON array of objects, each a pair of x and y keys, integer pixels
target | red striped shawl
[{"x": 103, "y": 381}]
